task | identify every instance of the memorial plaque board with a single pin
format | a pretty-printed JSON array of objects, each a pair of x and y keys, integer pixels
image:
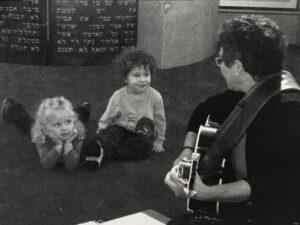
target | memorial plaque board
[
  {"x": 22, "y": 31},
  {"x": 66, "y": 32},
  {"x": 87, "y": 32}
]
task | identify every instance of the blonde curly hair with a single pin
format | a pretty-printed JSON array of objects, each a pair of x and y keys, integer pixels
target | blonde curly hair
[{"x": 39, "y": 128}]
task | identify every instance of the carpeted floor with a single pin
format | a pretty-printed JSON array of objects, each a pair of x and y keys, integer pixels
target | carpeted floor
[{"x": 34, "y": 196}]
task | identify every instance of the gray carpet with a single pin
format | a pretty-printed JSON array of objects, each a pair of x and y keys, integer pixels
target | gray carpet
[{"x": 31, "y": 195}]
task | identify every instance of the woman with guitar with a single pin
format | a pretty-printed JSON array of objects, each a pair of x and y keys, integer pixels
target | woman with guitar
[{"x": 266, "y": 121}]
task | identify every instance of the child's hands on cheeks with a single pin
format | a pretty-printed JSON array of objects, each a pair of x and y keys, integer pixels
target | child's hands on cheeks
[
  {"x": 73, "y": 136},
  {"x": 54, "y": 138},
  {"x": 68, "y": 144},
  {"x": 57, "y": 141}
]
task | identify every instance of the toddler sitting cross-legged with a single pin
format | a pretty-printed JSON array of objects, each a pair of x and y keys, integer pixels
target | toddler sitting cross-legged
[{"x": 134, "y": 122}]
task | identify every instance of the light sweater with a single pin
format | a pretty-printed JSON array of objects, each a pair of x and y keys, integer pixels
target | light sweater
[{"x": 126, "y": 109}]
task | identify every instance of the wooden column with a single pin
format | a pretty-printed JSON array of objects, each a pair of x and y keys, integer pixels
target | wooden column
[{"x": 178, "y": 32}]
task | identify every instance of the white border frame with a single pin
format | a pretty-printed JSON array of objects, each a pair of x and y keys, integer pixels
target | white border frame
[{"x": 291, "y": 4}]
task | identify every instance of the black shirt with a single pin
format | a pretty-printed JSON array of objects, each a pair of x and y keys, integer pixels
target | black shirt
[
  {"x": 272, "y": 153},
  {"x": 273, "y": 160},
  {"x": 218, "y": 107}
]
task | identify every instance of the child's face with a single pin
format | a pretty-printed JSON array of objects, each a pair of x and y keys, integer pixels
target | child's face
[
  {"x": 61, "y": 123},
  {"x": 139, "y": 79}
]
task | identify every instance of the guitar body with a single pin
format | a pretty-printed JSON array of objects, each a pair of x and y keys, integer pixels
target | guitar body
[
  {"x": 205, "y": 212},
  {"x": 189, "y": 168}
]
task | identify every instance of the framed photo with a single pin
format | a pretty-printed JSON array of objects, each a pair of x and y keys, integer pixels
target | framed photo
[{"x": 282, "y": 4}]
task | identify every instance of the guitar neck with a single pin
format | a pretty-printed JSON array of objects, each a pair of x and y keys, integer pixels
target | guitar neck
[
  {"x": 193, "y": 171},
  {"x": 195, "y": 162},
  {"x": 205, "y": 138}
]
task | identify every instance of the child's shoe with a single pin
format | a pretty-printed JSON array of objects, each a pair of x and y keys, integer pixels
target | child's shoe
[
  {"x": 84, "y": 111},
  {"x": 93, "y": 155},
  {"x": 15, "y": 113},
  {"x": 145, "y": 127},
  {"x": 6, "y": 112}
]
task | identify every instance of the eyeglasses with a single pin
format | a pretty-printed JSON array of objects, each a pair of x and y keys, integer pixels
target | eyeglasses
[{"x": 219, "y": 60}]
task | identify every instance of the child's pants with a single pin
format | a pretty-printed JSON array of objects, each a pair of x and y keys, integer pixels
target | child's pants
[
  {"x": 120, "y": 143},
  {"x": 18, "y": 115}
]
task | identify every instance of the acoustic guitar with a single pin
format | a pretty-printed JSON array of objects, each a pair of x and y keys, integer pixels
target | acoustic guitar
[{"x": 187, "y": 169}]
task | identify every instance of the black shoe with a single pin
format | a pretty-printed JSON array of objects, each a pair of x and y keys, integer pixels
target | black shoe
[
  {"x": 6, "y": 112},
  {"x": 93, "y": 155},
  {"x": 145, "y": 127},
  {"x": 84, "y": 111},
  {"x": 86, "y": 105}
]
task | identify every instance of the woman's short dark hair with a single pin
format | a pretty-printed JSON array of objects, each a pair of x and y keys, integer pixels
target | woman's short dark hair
[
  {"x": 131, "y": 58},
  {"x": 256, "y": 41}
]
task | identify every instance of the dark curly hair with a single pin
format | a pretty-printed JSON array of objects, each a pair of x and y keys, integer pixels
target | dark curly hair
[
  {"x": 256, "y": 41},
  {"x": 133, "y": 57}
]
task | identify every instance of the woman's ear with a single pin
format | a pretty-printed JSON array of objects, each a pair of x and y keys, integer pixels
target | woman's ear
[{"x": 238, "y": 67}]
